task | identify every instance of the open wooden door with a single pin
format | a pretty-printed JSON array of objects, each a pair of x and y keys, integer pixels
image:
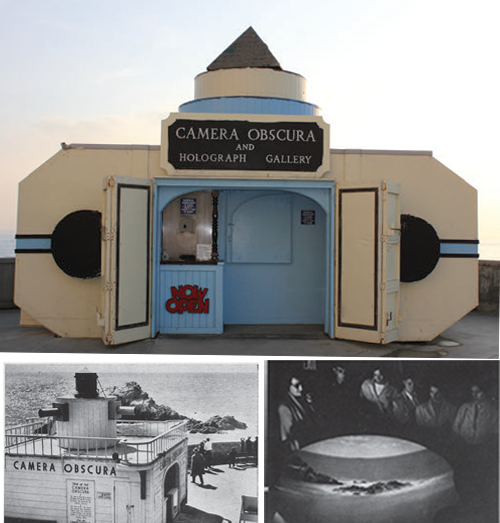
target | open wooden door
[
  {"x": 367, "y": 263},
  {"x": 126, "y": 259}
]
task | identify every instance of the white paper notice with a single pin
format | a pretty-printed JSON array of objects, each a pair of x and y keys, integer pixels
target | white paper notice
[
  {"x": 81, "y": 501},
  {"x": 203, "y": 252}
]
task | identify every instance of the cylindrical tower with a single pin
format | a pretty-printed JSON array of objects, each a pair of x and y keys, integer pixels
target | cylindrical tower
[
  {"x": 88, "y": 418},
  {"x": 246, "y": 78},
  {"x": 86, "y": 415}
]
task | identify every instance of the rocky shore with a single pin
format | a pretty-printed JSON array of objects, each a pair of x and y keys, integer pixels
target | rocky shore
[{"x": 131, "y": 394}]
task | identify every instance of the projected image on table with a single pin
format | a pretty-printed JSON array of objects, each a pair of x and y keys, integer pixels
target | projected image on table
[{"x": 382, "y": 442}]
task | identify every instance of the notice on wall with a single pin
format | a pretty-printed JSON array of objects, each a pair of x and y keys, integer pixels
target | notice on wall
[
  {"x": 80, "y": 501},
  {"x": 188, "y": 205},
  {"x": 203, "y": 252},
  {"x": 307, "y": 217}
]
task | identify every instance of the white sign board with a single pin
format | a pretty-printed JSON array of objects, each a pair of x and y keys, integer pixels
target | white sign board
[{"x": 80, "y": 501}]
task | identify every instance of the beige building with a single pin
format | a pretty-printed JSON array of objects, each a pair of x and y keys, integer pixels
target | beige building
[{"x": 244, "y": 214}]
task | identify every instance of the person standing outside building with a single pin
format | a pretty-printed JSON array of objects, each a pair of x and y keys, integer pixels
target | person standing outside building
[
  {"x": 197, "y": 466},
  {"x": 232, "y": 458},
  {"x": 207, "y": 454}
]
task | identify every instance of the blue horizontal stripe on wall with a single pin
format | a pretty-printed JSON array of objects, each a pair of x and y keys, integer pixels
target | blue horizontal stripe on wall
[
  {"x": 459, "y": 249},
  {"x": 250, "y": 105},
  {"x": 33, "y": 244}
]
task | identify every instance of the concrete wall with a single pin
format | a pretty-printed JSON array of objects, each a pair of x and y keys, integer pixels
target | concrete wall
[
  {"x": 489, "y": 277},
  {"x": 221, "y": 449},
  {"x": 7, "y": 283}
]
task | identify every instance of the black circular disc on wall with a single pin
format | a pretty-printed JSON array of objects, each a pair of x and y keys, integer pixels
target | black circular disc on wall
[
  {"x": 76, "y": 244},
  {"x": 420, "y": 248}
]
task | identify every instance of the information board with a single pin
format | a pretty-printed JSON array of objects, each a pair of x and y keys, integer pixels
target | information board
[{"x": 80, "y": 498}]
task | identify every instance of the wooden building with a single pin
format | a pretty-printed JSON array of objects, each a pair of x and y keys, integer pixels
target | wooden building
[{"x": 244, "y": 214}]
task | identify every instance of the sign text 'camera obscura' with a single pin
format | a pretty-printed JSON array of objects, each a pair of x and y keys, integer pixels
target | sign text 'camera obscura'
[{"x": 245, "y": 145}]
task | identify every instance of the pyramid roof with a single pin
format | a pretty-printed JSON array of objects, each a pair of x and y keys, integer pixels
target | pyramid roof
[{"x": 248, "y": 50}]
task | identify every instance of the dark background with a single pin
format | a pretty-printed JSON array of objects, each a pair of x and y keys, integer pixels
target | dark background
[{"x": 342, "y": 413}]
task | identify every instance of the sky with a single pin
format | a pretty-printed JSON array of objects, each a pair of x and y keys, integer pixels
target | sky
[{"x": 387, "y": 74}]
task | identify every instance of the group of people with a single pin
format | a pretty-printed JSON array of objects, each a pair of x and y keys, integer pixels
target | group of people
[
  {"x": 340, "y": 406},
  {"x": 201, "y": 459},
  {"x": 456, "y": 417},
  {"x": 249, "y": 446},
  {"x": 435, "y": 421}
]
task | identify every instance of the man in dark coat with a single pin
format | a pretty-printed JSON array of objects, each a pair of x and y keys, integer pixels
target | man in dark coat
[{"x": 197, "y": 466}]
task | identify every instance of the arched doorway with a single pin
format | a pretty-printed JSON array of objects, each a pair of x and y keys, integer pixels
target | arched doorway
[
  {"x": 171, "y": 493},
  {"x": 275, "y": 269},
  {"x": 274, "y": 245}
]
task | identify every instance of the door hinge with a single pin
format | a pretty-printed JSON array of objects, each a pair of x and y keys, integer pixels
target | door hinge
[
  {"x": 108, "y": 183},
  {"x": 107, "y": 235}
]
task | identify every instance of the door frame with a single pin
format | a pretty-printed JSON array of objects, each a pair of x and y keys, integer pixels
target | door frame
[{"x": 322, "y": 192}]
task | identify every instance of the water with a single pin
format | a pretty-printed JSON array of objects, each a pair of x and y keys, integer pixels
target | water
[
  {"x": 226, "y": 390},
  {"x": 7, "y": 244}
]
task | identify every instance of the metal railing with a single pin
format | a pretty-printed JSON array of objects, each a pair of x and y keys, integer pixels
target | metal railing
[
  {"x": 156, "y": 437},
  {"x": 148, "y": 451},
  {"x": 28, "y": 431},
  {"x": 144, "y": 429}
]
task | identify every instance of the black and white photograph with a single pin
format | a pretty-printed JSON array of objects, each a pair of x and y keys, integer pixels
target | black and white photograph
[
  {"x": 384, "y": 441},
  {"x": 131, "y": 443}
]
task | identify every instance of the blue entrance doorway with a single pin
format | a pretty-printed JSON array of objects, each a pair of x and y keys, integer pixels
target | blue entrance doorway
[
  {"x": 275, "y": 246},
  {"x": 275, "y": 269}
]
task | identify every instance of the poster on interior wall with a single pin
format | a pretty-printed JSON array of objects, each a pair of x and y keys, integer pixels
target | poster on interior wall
[
  {"x": 307, "y": 217},
  {"x": 188, "y": 205}
]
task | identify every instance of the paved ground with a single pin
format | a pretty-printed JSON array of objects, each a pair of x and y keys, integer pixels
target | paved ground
[
  {"x": 219, "y": 500},
  {"x": 475, "y": 336}
]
